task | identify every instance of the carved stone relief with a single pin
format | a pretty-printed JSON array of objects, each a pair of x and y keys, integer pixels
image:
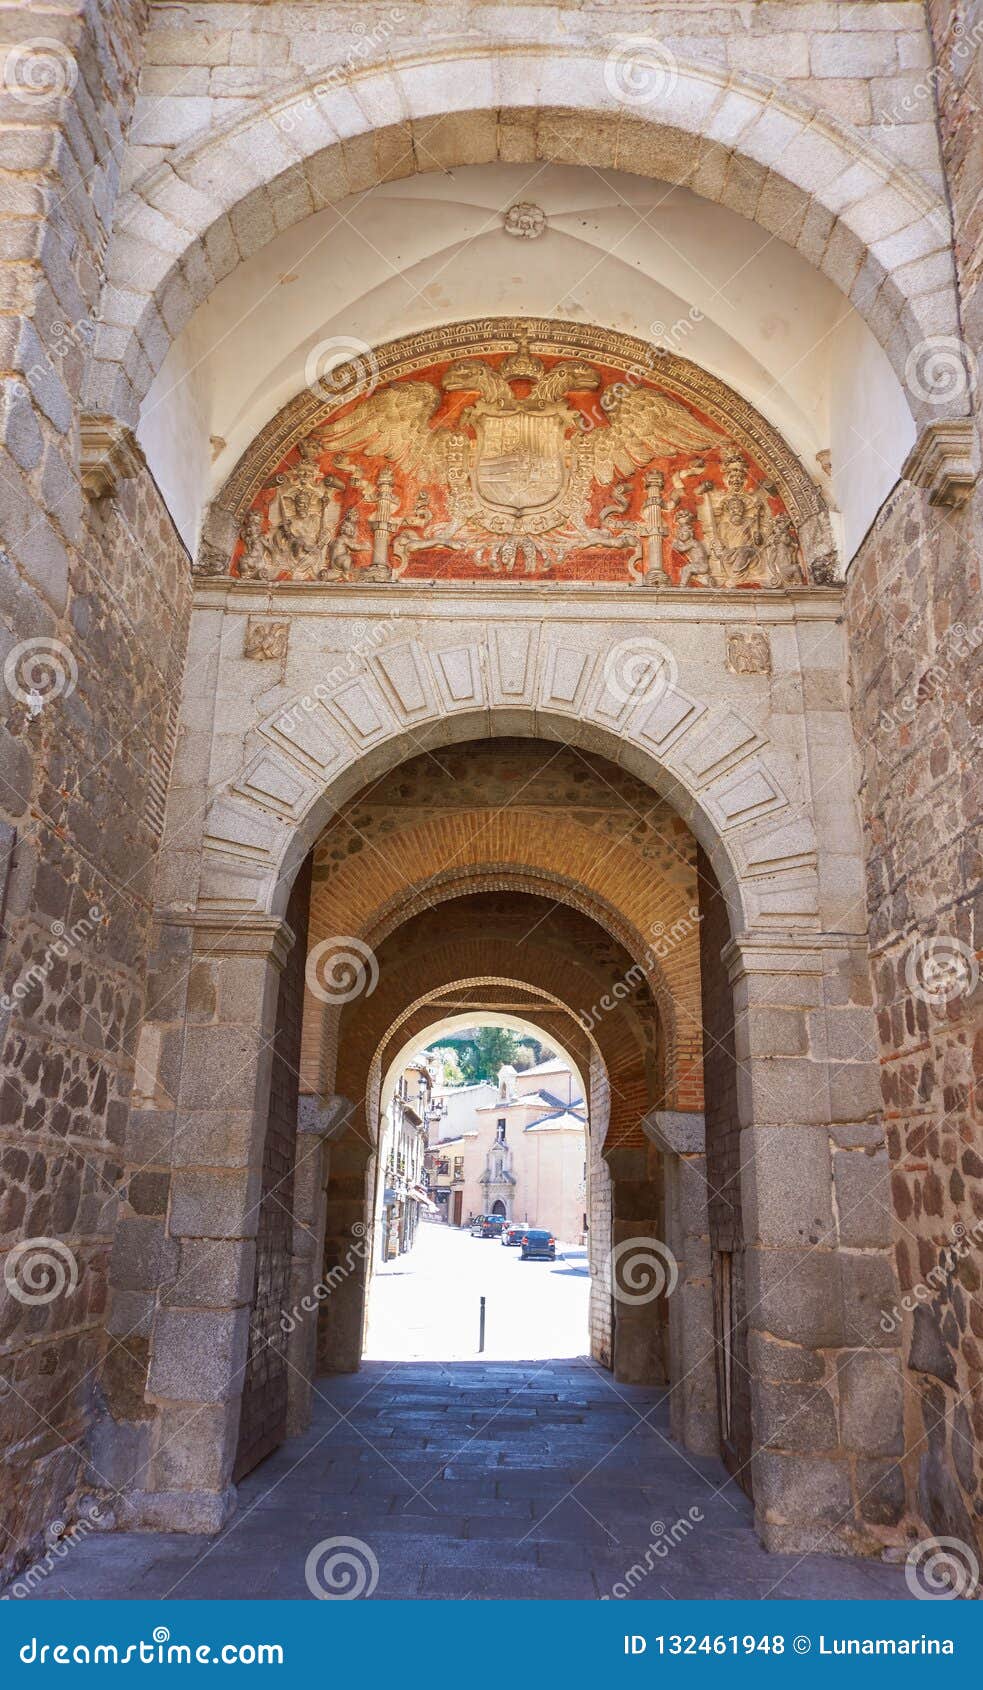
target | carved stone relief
[
  {"x": 526, "y": 456},
  {"x": 265, "y": 642},
  {"x": 748, "y": 651}
]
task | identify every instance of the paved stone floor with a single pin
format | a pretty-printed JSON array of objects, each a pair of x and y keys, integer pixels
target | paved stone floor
[{"x": 476, "y": 1480}]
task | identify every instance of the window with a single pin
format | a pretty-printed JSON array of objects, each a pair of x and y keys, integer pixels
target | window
[{"x": 500, "y": 1129}]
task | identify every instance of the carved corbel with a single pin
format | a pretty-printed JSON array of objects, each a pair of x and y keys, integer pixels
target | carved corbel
[
  {"x": 325, "y": 1118},
  {"x": 109, "y": 454},
  {"x": 945, "y": 460}
]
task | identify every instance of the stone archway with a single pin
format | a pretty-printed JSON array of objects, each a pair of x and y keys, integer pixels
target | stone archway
[
  {"x": 797, "y": 1107},
  {"x": 855, "y": 213}
]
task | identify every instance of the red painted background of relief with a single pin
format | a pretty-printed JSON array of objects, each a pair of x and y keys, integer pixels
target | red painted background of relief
[{"x": 584, "y": 564}]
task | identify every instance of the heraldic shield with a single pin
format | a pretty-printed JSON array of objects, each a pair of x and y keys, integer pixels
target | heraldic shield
[{"x": 520, "y": 460}]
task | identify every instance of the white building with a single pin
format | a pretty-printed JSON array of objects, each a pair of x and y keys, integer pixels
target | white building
[{"x": 517, "y": 1149}]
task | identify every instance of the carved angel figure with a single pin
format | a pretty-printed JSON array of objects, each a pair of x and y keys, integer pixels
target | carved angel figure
[{"x": 255, "y": 561}]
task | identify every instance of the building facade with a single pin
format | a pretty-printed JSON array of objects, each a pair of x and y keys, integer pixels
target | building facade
[
  {"x": 403, "y": 1185},
  {"x": 491, "y": 514},
  {"x": 520, "y": 1152}
]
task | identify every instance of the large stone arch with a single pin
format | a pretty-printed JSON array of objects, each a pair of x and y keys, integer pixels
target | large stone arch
[
  {"x": 747, "y": 804},
  {"x": 754, "y": 785},
  {"x": 862, "y": 218},
  {"x": 628, "y": 1169}
]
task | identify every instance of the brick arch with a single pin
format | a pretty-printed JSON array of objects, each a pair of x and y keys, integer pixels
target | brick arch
[
  {"x": 625, "y": 1044},
  {"x": 611, "y": 882},
  {"x": 822, "y": 188}
]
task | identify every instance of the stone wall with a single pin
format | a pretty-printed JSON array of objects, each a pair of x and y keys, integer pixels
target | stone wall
[
  {"x": 857, "y": 59},
  {"x": 94, "y": 599},
  {"x": 916, "y": 639}
]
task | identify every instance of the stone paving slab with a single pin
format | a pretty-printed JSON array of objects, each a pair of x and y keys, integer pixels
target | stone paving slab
[{"x": 462, "y": 1504}]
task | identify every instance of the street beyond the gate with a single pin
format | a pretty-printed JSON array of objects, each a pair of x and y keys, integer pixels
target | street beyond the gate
[{"x": 426, "y": 1304}]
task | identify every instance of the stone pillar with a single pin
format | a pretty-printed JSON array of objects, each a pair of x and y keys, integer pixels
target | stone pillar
[
  {"x": 681, "y": 1138},
  {"x": 347, "y": 1249},
  {"x": 637, "y": 1265},
  {"x": 825, "y": 1384},
  {"x": 318, "y": 1122},
  {"x": 214, "y": 1062}
]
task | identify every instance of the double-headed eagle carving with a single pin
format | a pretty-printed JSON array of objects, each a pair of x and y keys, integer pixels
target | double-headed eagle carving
[
  {"x": 401, "y": 422},
  {"x": 499, "y": 461}
]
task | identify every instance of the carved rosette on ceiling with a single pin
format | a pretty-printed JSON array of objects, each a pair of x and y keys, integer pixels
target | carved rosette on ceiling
[{"x": 510, "y": 450}]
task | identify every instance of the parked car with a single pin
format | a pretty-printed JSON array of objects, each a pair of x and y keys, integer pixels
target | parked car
[
  {"x": 538, "y": 1245},
  {"x": 512, "y": 1233},
  {"x": 476, "y": 1223},
  {"x": 492, "y": 1226}
]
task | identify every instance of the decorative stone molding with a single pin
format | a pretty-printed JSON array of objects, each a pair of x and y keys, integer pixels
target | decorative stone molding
[
  {"x": 525, "y": 221},
  {"x": 266, "y": 642},
  {"x": 304, "y": 543},
  {"x": 250, "y": 934},
  {"x": 945, "y": 460},
  {"x": 109, "y": 453},
  {"x": 748, "y": 651}
]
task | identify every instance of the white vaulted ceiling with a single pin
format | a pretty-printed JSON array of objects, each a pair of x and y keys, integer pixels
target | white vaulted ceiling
[{"x": 621, "y": 251}]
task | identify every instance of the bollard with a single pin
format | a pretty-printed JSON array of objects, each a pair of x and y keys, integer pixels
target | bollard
[{"x": 481, "y": 1327}]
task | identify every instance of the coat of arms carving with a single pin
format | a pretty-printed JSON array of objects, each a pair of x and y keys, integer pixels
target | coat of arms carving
[{"x": 518, "y": 463}]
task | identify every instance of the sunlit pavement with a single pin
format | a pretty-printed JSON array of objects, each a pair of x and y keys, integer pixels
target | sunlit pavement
[
  {"x": 476, "y": 1479},
  {"x": 426, "y": 1303}
]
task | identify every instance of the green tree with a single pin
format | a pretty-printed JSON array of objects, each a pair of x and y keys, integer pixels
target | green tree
[
  {"x": 447, "y": 1058},
  {"x": 486, "y": 1052}
]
